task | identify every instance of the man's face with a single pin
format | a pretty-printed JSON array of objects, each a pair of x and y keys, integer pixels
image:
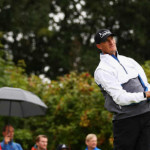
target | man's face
[
  {"x": 42, "y": 144},
  {"x": 92, "y": 143},
  {"x": 9, "y": 132},
  {"x": 109, "y": 46}
]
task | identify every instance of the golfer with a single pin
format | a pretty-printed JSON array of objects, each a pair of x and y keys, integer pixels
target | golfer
[{"x": 127, "y": 91}]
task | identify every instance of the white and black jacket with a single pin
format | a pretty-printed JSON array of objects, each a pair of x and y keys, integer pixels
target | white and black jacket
[{"x": 122, "y": 81}]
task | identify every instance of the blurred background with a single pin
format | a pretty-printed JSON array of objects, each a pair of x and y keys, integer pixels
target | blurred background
[{"x": 47, "y": 47}]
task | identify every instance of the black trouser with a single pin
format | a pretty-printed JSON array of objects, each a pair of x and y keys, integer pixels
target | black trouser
[{"x": 132, "y": 133}]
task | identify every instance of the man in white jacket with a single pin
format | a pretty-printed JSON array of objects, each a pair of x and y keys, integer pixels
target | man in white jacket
[{"x": 127, "y": 94}]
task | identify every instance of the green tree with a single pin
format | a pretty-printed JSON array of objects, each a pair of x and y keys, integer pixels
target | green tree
[
  {"x": 59, "y": 34},
  {"x": 75, "y": 108}
]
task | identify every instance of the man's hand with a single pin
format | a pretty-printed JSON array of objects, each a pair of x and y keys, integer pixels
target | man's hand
[
  {"x": 147, "y": 94},
  {"x": 7, "y": 139}
]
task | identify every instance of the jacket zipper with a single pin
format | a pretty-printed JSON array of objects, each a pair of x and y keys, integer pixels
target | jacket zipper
[
  {"x": 123, "y": 67},
  {"x": 119, "y": 63}
]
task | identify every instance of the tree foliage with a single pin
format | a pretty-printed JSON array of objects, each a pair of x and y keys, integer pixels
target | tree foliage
[
  {"x": 75, "y": 108},
  {"x": 59, "y": 34}
]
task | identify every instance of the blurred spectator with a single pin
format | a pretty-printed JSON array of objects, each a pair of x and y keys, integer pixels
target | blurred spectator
[
  {"x": 91, "y": 142},
  {"x": 62, "y": 147},
  {"x": 41, "y": 143},
  {"x": 8, "y": 143}
]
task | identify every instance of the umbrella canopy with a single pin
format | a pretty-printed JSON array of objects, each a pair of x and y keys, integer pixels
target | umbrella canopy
[{"x": 20, "y": 103}]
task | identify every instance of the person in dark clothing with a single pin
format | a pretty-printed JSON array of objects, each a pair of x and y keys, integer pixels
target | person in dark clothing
[{"x": 62, "y": 147}]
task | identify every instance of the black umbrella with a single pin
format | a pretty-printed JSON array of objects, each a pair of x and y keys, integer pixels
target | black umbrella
[{"x": 21, "y": 103}]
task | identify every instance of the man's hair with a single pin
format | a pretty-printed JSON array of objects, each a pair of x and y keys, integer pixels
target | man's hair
[
  {"x": 40, "y": 136},
  {"x": 90, "y": 136},
  {"x": 7, "y": 125}
]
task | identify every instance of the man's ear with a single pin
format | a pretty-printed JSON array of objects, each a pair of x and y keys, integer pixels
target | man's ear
[
  {"x": 86, "y": 143},
  {"x": 98, "y": 46}
]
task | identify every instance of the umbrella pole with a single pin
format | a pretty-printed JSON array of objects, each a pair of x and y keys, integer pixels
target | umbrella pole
[
  {"x": 10, "y": 109},
  {"x": 9, "y": 116}
]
